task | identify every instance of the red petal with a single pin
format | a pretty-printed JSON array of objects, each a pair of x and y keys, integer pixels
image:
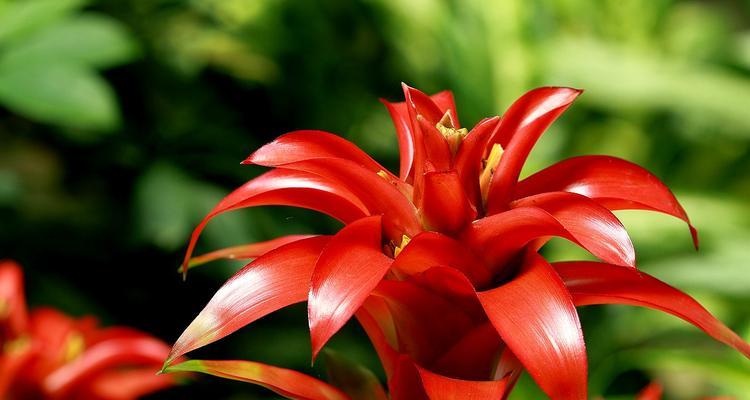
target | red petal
[
  {"x": 445, "y": 207},
  {"x": 473, "y": 356},
  {"x": 595, "y": 227},
  {"x": 406, "y": 384},
  {"x": 445, "y": 102},
  {"x": 276, "y": 280},
  {"x": 379, "y": 195},
  {"x": 127, "y": 384},
  {"x": 13, "y": 317},
  {"x": 376, "y": 320},
  {"x": 245, "y": 251},
  {"x": 518, "y": 131},
  {"x": 536, "y": 318},
  {"x": 304, "y": 145},
  {"x": 287, "y": 188},
  {"x": 468, "y": 160},
  {"x": 430, "y": 249},
  {"x": 598, "y": 283},
  {"x": 437, "y": 156},
  {"x": 349, "y": 267},
  {"x": 422, "y": 104},
  {"x": 286, "y": 382},
  {"x": 108, "y": 354},
  {"x": 617, "y": 184},
  {"x": 400, "y": 116},
  {"x": 650, "y": 392},
  {"x": 440, "y": 387}
]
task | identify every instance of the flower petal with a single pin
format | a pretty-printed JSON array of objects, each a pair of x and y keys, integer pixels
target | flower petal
[
  {"x": 595, "y": 227},
  {"x": 278, "y": 279},
  {"x": 305, "y": 145},
  {"x": 245, "y": 251},
  {"x": 380, "y": 195},
  {"x": 439, "y": 387},
  {"x": 128, "y": 384},
  {"x": 651, "y": 392},
  {"x": 13, "y": 315},
  {"x": 114, "y": 353},
  {"x": 286, "y": 382},
  {"x": 400, "y": 116},
  {"x": 468, "y": 160},
  {"x": 349, "y": 267},
  {"x": 615, "y": 183},
  {"x": 287, "y": 188},
  {"x": 536, "y": 318},
  {"x": 518, "y": 131},
  {"x": 599, "y": 283},
  {"x": 430, "y": 249},
  {"x": 445, "y": 207}
]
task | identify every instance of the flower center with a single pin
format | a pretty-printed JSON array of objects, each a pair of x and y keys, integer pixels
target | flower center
[
  {"x": 489, "y": 167},
  {"x": 74, "y": 346},
  {"x": 453, "y": 136},
  {"x": 398, "y": 249}
]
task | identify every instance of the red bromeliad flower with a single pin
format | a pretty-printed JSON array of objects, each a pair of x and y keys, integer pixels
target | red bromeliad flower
[
  {"x": 46, "y": 354},
  {"x": 439, "y": 264}
]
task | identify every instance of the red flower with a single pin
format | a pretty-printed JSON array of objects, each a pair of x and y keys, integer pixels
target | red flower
[
  {"x": 440, "y": 263},
  {"x": 46, "y": 354}
]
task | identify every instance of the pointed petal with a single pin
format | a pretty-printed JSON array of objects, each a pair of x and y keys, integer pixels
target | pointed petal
[
  {"x": 400, "y": 116},
  {"x": 349, "y": 267},
  {"x": 245, "y": 251},
  {"x": 445, "y": 102},
  {"x": 437, "y": 152},
  {"x": 378, "y": 324},
  {"x": 599, "y": 283},
  {"x": 536, "y": 318},
  {"x": 422, "y": 105},
  {"x": 114, "y": 353},
  {"x": 615, "y": 183},
  {"x": 595, "y": 227},
  {"x": 353, "y": 379},
  {"x": 276, "y": 280},
  {"x": 379, "y": 195},
  {"x": 439, "y": 387},
  {"x": 287, "y": 188},
  {"x": 445, "y": 207},
  {"x": 13, "y": 316},
  {"x": 286, "y": 382},
  {"x": 128, "y": 384},
  {"x": 430, "y": 249},
  {"x": 468, "y": 160},
  {"x": 518, "y": 131}
]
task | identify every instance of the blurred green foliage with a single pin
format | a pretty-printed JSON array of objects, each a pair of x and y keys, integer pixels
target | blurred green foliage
[{"x": 200, "y": 83}]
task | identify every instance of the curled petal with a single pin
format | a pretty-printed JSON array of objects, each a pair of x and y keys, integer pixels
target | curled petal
[
  {"x": 595, "y": 227},
  {"x": 518, "y": 131},
  {"x": 535, "y": 316},
  {"x": 445, "y": 206},
  {"x": 114, "y": 353},
  {"x": 287, "y": 188},
  {"x": 599, "y": 283},
  {"x": 400, "y": 117},
  {"x": 13, "y": 316},
  {"x": 430, "y": 249},
  {"x": 245, "y": 251},
  {"x": 615, "y": 183},
  {"x": 437, "y": 152},
  {"x": 305, "y": 145},
  {"x": 379, "y": 195},
  {"x": 378, "y": 324},
  {"x": 349, "y": 267},
  {"x": 468, "y": 160},
  {"x": 422, "y": 105},
  {"x": 278, "y": 279},
  {"x": 286, "y": 382}
]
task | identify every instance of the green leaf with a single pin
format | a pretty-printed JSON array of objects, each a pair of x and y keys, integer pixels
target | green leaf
[
  {"x": 352, "y": 378},
  {"x": 19, "y": 18},
  {"x": 66, "y": 95},
  {"x": 89, "y": 39}
]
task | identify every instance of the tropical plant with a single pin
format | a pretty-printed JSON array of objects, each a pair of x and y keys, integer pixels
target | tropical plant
[{"x": 440, "y": 264}]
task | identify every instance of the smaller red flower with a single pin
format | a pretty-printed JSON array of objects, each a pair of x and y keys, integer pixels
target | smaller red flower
[{"x": 47, "y": 354}]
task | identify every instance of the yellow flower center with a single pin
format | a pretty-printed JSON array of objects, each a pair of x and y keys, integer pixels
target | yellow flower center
[
  {"x": 398, "y": 249},
  {"x": 17, "y": 345},
  {"x": 74, "y": 346},
  {"x": 490, "y": 165},
  {"x": 453, "y": 136}
]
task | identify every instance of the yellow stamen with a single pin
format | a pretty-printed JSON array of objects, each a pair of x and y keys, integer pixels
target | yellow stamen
[
  {"x": 398, "y": 249},
  {"x": 17, "y": 345},
  {"x": 383, "y": 175},
  {"x": 74, "y": 346},
  {"x": 4, "y": 309},
  {"x": 490, "y": 165},
  {"x": 453, "y": 136}
]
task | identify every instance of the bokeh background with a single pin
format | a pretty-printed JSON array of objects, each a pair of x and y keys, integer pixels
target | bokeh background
[{"x": 123, "y": 121}]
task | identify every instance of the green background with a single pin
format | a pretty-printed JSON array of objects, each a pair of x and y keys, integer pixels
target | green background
[{"x": 123, "y": 121}]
